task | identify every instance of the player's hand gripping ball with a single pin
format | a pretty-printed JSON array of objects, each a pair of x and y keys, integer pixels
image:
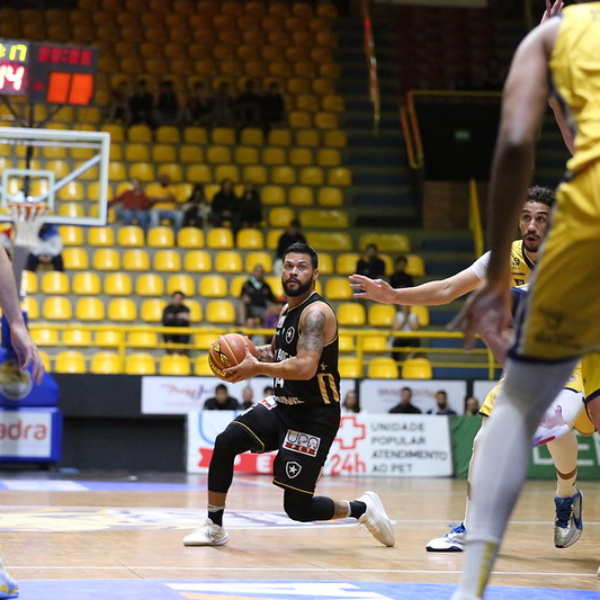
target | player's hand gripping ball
[{"x": 227, "y": 351}]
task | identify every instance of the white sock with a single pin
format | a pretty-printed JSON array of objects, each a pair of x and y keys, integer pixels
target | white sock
[{"x": 501, "y": 463}]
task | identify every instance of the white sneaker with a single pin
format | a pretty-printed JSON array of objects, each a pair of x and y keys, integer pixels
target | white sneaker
[
  {"x": 208, "y": 534},
  {"x": 376, "y": 520},
  {"x": 9, "y": 588},
  {"x": 453, "y": 541},
  {"x": 569, "y": 522}
]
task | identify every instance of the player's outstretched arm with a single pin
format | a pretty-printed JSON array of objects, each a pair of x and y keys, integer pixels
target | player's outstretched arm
[{"x": 431, "y": 293}]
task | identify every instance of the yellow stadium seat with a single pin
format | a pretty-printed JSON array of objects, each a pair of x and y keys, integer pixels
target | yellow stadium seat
[
  {"x": 137, "y": 153},
  {"x": 335, "y": 139},
  {"x": 220, "y": 311},
  {"x": 218, "y": 155},
  {"x": 220, "y": 238},
  {"x": 374, "y": 343},
  {"x": 71, "y": 210},
  {"x": 350, "y": 367},
  {"x": 306, "y": 102},
  {"x": 308, "y": 137},
  {"x": 118, "y": 284},
  {"x": 311, "y": 176},
  {"x": 89, "y": 309},
  {"x": 197, "y": 261},
  {"x": 72, "y": 235},
  {"x": 167, "y": 261},
  {"x": 122, "y": 310},
  {"x": 175, "y": 364},
  {"x": 273, "y": 156},
  {"x": 164, "y": 153},
  {"x": 386, "y": 242},
  {"x": 340, "y": 242},
  {"x": 181, "y": 282},
  {"x": 300, "y": 119},
  {"x": 251, "y": 136},
  {"x": 106, "y": 363},
  {"x": 152, "y": 310},
  {"x": 167, "y": 134},
  {"x": 281, "y": 216},
  {"x": 201, "y": 366},
  {"x": 213, "y": 286},
  {"x": 422, "y": 313},
  {"x": 301, "y": 157},
  {"x": 130, "y": 236},
  {"x": 106, "y": 259},
  {"x": 74, "y": 337},
  {"x": 250, "y": 239},
  {"x": 29, "y": 283},
  {"x": 336, "y": 219},
  {"x": 227, "y": 172},
  {"x": 325, "y": 263},
  {"x": 235, "y": 285},
  {"x": 244, "y": 155},
  {"x": 101, "y": 236},
  {"x": 116, "y": 171},
  {"x": 55, "y": 282},
  {"x": 381, "y": 315},
  {"x": 203, "y": 341},
  {"x": 71, "y": 192},
  {"x": 333, "y": 103},
  {"x": 273, "y": 195},
  {"x": 328, "y": 157},
  {"x": 258, "y": 258},
  {"x": 330, "y": 196},
  {"x": 195, "y": 135},
  {"x": 346, "y": 343},
  {"x": 351, "y": 314},
  {"x": 190, "y": 237},
  {"x": 140, "y": 363},
  {"x": 417, "y": 368},
  {"x": 57, "y": 308},
  {"x": 339, "y": 176},
  {"x": 199, "y": 174},
  {"x": 149, "y": 284},
  {"x": 139, "y": 133},
  {"x": 189, "y": 154},
  {"x": 44, "y": 337},
  {"x": 323, "y": 86},
  {"x": 301, "y": 196},
  {"x": 275, "y": 285},
  {"x": 283, "y": 175},
  {"x": 30, "y": 305},
  {"x": 70, "y": 361},
  {"x": 136, "y": 259},
  {"x": 142, "y": 171},
  {"x": 109, "y": 338},
  {"x": 382, "y": 368},
  {"x": 161, "y": 237},
  {"x": 280, "y": 137},
  {"x": 345, "y": 263},
  {"x": 415, "y": 265},
  {"x": 338, "y": 288},
  {"x": 142, "y": 339},
  {"x": 172, "y": 169},
  {"x": 255, "y": 174}
]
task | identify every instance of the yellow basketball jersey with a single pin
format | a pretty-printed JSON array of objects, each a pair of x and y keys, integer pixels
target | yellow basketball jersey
[
  {"x": 575, "y": 63},
  {"x": 520, "y": 266}
]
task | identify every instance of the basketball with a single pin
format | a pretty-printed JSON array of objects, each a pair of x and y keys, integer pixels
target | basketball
[{"x": 228, "y": 351}]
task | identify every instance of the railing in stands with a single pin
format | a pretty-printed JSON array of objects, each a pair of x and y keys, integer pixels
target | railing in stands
[
  {"x": 475, "y": 218},
  {"x": 485, "y": 358},
  {"x": 374, "y": 92}
]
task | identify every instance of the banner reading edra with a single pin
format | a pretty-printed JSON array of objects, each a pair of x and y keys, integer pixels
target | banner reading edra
[{"x": 366, "y": 444}]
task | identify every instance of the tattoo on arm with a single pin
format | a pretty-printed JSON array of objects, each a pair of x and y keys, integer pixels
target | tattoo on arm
[
  {"x": 311, "y": 336},
  {"x": 265, "y": 353}
]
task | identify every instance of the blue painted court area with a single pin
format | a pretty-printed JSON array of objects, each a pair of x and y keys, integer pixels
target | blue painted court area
[
  {"x": 66, "y": 485},
  {"x": 271, "y": 590}
]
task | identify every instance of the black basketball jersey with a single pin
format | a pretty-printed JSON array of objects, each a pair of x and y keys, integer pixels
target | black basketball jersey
[{"x": 324, "y": 387}]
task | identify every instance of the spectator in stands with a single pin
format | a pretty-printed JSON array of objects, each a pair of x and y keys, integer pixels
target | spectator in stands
[
  {"x": 199, "y": 106},
  {"x": 250, "y": 207},
  {"x": 225, "y": 206},
  {"x": 248, "y": 106},
  {"x": 224, "y": 106},
  {"x": 273, "y": 107},
  {"x": 268, "y": 390},
  {"x": 221, "y": 400},
  {"x": 255, "y": 299},
  {"x": 176, "y": 314},
  {"x": 118, "y": 104},
  {"x": 141, "y": 104},
  {"x": 471, "y": 406},
  {"x": 350, "y": 403},
  {"x": 290, "y": 236},
  {"x": 370, "y": 264},
  {"x": 48, "y": 251},
  {"x": 441, "y": 399},
  {"x": 247, "y": 398},
  {"x": 134, "y": 206},
  {"x": 197, "y": 209},
  {"x": 164, "y": 203},
  {"x": 167, "y": 104},
  {"x": 404, "y": 320},
  {"x": 400, "y": 278},
  {"x": 405, "y": 406}
]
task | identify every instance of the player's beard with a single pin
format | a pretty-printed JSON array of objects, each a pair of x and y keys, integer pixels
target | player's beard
[{"x": 298, "y": 291}]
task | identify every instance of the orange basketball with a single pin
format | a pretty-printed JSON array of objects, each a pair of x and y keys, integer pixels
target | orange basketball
[{"x": 228, "y": 351}]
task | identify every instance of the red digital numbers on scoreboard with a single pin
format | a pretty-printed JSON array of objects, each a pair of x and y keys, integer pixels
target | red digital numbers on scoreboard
[{"x": 63, "y": 55}]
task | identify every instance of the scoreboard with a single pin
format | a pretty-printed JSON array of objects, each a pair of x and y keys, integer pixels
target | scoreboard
[{"x": 48, "y": 73}]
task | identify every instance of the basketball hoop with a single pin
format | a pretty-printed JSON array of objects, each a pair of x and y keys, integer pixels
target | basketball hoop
[{"x": 27, "y": 218}]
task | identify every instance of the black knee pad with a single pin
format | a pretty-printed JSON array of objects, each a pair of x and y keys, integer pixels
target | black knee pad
[
  {"x": 233, "y": 440},
  {"x": 303, "y": 507}
]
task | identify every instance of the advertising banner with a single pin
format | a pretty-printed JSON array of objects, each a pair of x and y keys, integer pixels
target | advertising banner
[{"x": 367, "y": 444}]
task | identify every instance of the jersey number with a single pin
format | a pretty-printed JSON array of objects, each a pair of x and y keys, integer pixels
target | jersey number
[{"x": 328, "y": 387}]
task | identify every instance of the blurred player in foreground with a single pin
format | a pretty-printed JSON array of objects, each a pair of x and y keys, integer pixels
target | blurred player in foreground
[
  {"x": 560, "y": 321},
  {"x": 300, "y": 420}
]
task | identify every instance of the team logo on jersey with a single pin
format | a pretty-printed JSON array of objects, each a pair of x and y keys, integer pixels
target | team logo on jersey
[
  {"x": 292, "y": 469},
  {"x": 516, "y": 261},
  {"x": 302, "y": 443},
  {"x": 289, "y": 335}
]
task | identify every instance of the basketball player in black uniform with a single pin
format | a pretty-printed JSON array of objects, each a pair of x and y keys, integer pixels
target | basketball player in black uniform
[{"x": 300, "y": 420}]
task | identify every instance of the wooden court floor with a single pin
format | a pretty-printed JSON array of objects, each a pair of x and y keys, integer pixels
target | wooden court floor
[{"x": 95, "y": 531}]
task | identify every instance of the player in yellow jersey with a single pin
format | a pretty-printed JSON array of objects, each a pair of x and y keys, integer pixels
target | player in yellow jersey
[
  {"x": 533, "y": 224},
  {"x": 560, "y": 322}
]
